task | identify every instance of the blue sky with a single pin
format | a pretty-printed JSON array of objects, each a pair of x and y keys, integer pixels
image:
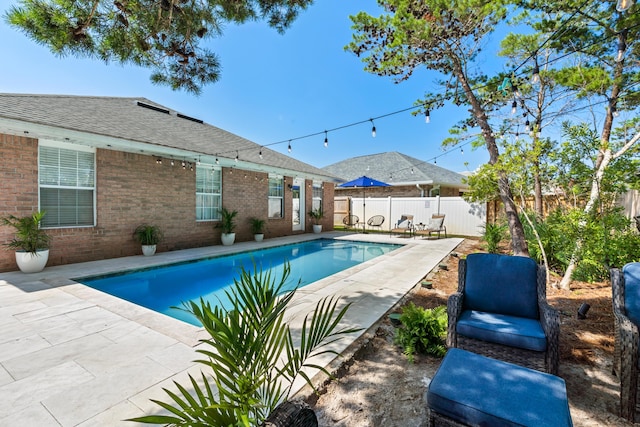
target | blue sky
[{"x": 273, "y": 88}]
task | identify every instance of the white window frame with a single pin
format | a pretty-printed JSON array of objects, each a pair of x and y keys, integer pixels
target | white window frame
[
  {"x": 316, "y": 194},
  {"x": 215, "y": 190},
  {"x": 92, "y": 178},
  {"x": 276, "y": 197}
]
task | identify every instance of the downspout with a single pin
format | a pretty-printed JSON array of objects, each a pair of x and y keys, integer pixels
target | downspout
[{"x": 421, "y": 190}]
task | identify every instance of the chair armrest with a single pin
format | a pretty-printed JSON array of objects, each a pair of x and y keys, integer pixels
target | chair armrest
[
  {"x": 550, "y": 320},
  {"x": 454, "y": 309}
]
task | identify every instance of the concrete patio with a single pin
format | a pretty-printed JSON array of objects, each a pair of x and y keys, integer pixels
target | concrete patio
[{"x": 73, "y": 356}]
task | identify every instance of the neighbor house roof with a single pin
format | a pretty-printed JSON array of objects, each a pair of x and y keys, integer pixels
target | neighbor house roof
[
  {"x": 396, "y": 169},
  {"x": 141, "y": 126}
]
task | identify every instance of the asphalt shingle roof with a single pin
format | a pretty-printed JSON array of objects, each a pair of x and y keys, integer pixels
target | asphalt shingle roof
[
  {"x": 393, "y": 167},
  {"x": 129, "y": 120}
]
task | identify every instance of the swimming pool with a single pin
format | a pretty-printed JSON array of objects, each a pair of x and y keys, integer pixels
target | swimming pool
[{"x": 163, "y": 288}]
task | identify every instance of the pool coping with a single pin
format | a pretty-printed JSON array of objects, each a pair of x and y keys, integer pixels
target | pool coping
[{"x": 49, "y": 325}]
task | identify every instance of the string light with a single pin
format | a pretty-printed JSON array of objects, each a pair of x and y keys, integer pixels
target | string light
[
  {"x": 260, "y": 152},
  {"x": 326, "y": 140},
  {"x": 623, "y": 5},
  {"x": 411, "y": 171},
  {"x": 514, "y": 106},
  {"x": 172, "y": 162},
  {"x": 373, "y": 128},
  {"x": 237, "y": 156},
  {"x": 159, "y": 160},
  {"x": 289, "y": 147},
  {"x": 427, "y": 116},
  {"x": 198, "y": 162},
  {"x": 462, "y": 151},
  {"x": 217, "y": 161},
  {"x": 526, "y": 125},
  {"x": 535, "y": 77},
  {"x": 622, "y": 46},
  {"x": 184, "y": 164}
]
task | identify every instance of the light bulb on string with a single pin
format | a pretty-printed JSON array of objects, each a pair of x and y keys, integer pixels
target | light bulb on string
[
  {"x": 172, "y": 163},
  {"x": 462, "y": 151},
  {"x": 217, "y": 161},
  {"x": 198, "y": 162},
  {"x": 622, "y": 46},
  {"x": 435, "y": 160},
  {"x": 289, "y": 146},
  {"x": 526, "y": 125},
  {"x": 535, "y": 77},
  {"x": 514, "y": 106},
  {"x": 260, "y": 152},
  {"x": 623, "y": 5},
  {"x": 427, "y": 116},
  {"x": 373, "y": 128},
  {"x": 184, "y": 164},
  {"x": 326, "y": 140},
  {"x": 411, "y": 171},
  {"x": 237, "y": 157}
]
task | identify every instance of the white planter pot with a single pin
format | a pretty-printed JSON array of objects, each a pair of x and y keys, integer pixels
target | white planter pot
[
  {"x": 259, "y": 237},
  {"x": 32, "y": 263},
  {"x": 148, "y": 250},
  {"x": 317, "y": 228},
  {"x": 228, "y": 238}
]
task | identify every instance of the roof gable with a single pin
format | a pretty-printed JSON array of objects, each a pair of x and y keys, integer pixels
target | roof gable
[{"x": 393, "y": 167}]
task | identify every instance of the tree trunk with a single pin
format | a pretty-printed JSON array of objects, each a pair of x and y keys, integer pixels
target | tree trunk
[{"x": 516, "y": 230}]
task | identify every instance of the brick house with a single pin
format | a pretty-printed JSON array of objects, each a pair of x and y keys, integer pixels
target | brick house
[{"x": 100, "y": 166}]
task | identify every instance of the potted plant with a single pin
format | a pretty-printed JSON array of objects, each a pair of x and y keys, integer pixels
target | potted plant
[
  {"x": 316, "y": 215},
  {"x": 148, "y": 236},
  {"x": 228, "y": 224},
  {"x": 31, "y": 243},
  {"x": 257, "y": 228}
]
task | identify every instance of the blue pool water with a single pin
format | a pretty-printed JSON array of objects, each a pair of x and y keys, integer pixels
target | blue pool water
[{"x": 163, "y": 288}]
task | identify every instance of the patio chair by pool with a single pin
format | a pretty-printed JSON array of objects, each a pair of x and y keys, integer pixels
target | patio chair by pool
[
  {"x": 350, "y": 221},
  {"x": 500, "y": 310},
  {"x": 436, "y": 225},
  {"x": 376, "y": 221},
  {"x": 403, "y": 226},
  {"x": 625, "y": 287}
]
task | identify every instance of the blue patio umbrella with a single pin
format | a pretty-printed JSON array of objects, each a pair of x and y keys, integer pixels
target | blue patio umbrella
[{"x": 364, "y": 182}]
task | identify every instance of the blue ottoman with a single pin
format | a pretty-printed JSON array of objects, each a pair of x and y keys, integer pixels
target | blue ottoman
[{"x": 474, "y": 390}]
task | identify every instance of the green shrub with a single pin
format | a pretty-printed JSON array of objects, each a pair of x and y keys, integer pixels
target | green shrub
[
  {"x": 608, "y": 241},
  {"x": 493, "y": 234},
  {"x": 423, "y": 331}
]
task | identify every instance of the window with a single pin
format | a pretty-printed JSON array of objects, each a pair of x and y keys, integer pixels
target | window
[
  {"x": 276, "y": 197},
  {"x": 66, "y": 177},
  {"x": 316, "y": 202},
  {"x": 208, "y": 193}
]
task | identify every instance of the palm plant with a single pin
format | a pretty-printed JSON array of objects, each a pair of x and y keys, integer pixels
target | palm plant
[
  {"x": 251, "y": 354},
  {"x": 228, "y": 220},
  {"x": 316, "y": 215},
  {"x": 257, "y": 225},
  {"x": 493, "y": 234},
  {"x": 147, "y": 234},
  {"x": 29, "y": 236}
]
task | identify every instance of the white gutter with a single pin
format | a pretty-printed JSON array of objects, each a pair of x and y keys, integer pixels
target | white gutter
[{"x": 69, "y": 136}]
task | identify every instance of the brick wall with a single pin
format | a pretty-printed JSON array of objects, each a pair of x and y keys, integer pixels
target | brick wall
[{"x": 132, "y": 189}]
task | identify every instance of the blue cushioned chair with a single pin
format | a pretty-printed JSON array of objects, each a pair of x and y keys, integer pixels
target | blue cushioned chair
[
  {"x": 500, "y": 311},
  {"x": 625, "y": 286}
]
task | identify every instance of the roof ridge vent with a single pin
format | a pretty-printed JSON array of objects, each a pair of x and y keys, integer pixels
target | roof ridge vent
[
  {"x": 182, "y": 116},
  {"x": 153, "y": 107}
]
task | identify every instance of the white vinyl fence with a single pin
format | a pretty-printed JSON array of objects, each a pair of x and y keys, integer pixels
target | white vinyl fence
[{"x": 461, "y": 217}]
